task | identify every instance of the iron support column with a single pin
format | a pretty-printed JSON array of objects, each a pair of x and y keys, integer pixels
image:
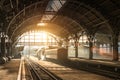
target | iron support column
[
  {"x": 90, "y": 50},
  {"x": 90, "y": 39},
  {"x": 115, "y": 47},
  {"x": 76, "y": 48},
  {"x": 2, "y": 47},
  {"x": 8, "y": 49},
  {"x": 67, "y": 43},
  {"x": 11, "y": 49},
  {"x": 60, "y": 43},
  {"x": 76, "y": 44}
]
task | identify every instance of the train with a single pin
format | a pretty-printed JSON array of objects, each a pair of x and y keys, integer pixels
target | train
[
  {"x": 43, "y": 53},
  {"x": 53, "y": 53}
]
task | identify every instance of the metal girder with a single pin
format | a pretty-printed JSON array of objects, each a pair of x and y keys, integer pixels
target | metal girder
[
  {"x": 66, "y": 12},
  {"x": 101, "y": 10},
  {"x": 67, "y": 23},
  {"x": 58, "y": 30},
  {"x": 22, "y": 15},
  {"x": 1, "y": 3},
  {"x": 107, "y": 8},
  {"x": 24, "y": 23},
  {"x": 50, "y": 12},
  {"x": 11, "y": 4}
]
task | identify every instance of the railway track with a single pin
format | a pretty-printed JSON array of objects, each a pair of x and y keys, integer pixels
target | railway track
[{"x": 38, "y": 72}]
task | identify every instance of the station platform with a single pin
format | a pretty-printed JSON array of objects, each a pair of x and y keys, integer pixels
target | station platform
[
  {"x": 102, "y": 67},
  {"x": 67, "y": 73},
  {"x": 9, "y": 70},
  {"x": 97, "y": 61}
]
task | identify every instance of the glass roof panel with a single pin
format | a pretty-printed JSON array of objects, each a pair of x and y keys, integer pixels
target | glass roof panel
[{"x": 53, "y": 5}]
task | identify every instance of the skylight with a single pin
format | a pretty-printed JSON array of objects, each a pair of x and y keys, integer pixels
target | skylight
[{"x": 52, "y": 7}]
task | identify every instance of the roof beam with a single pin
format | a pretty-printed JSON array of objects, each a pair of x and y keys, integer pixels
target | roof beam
[
  {"x": 103, "y": 22},
  {"x": 1, "y": 3},
  {"x": 60, "y": 2},
  {"x": 17, "y": 2},
  {"x": 11, "y": 4},
  {"x": 50, "y": 12}
]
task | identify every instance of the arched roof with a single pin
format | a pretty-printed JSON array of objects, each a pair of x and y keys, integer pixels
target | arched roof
[
  {"x": 102, "y": 16},
  {"x": 51, "y": 28}
]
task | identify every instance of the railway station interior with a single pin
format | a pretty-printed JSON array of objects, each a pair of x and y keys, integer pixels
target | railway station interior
[{"x": 59, "y": 39}]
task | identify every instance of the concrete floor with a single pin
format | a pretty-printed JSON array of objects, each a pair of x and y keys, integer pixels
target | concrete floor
[
  {"x": 9, "y": 71},
  {"x": 67, "y": 73}
]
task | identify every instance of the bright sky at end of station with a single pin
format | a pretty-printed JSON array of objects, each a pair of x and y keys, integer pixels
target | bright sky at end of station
[{"x": 37, "y": 37}]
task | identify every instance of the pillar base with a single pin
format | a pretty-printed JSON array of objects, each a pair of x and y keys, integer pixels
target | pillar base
[
  {"x": 9, "y": 58},
  {"x": 6, "y": 59},
  {"x": 2, "y": 60},
  {"x": 115, "y": 60},
  {"x": 90, "y": 58}
]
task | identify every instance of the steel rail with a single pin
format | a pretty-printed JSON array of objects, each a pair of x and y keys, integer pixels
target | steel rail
[{"x": 37, "y": 71}]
